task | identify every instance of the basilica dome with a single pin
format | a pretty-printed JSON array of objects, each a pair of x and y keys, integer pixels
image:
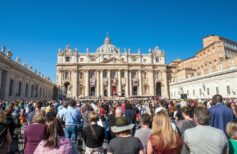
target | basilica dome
[{"x": 107, "y": 47}]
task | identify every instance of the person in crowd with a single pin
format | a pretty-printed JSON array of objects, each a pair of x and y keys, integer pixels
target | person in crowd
[
  {"x": 188, "y": 121},
  {"x": 31, "y": 114},
  {"x": 106, "y": 108},
  {"x": 61, "y": 112},
  {"x": 178, "y": 113},
  {"x": 234, "y": 109},
  {"x": 5, "y": 136},
  {"x": 160, "y": 107},
  {"x": 93, "y": 135},
  {"x": 85, "y": 112},
  {"x": 31, "y": 138},
  {"x": 144, "y": 132},
  {"x": 54, "y": 141},
  {"x": 164, "y": 139},
  {"x": 130, "y": 115},
  {"x": 123, "y": 106},
  {"x": 10, "y": 121},
  {"x": 112, "y": 119},
  {"x": 185, "y": 124},
  {"x": 22, "y": 117},
  {"x": 220, "y": 113},
  {"x": 51, "y": 113},
  {"x": 124, "y": 143},
  {"x": 171, "y": 110},
  {"x": 72, "y": 120},
  {"x": 231, "y": 130},
  {"x": 204, "y": 138},
  {"x": 15, "y": 116}
]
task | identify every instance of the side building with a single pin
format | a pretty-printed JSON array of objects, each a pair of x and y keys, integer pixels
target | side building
[
  {"x": 19, "y": 81},
  {"x": 213, "y": 70},
  {"x": 110, "y": 73}
]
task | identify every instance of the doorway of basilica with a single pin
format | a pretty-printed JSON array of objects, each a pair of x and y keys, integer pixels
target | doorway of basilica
[
  {"x": 106, "y": 93},
  {"x": 92, "y": 91},
  {"x": 158, "y": 89},
  {"x": 134, "y": 91}
]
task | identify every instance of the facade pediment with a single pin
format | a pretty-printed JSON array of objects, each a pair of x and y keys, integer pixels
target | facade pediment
[{"x": 113, "y": 61}]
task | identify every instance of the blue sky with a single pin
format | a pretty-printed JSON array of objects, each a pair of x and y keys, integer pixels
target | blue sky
[{"x": 35, "y": 29}]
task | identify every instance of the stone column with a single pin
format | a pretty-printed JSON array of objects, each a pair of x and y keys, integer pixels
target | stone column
[
  {"x": 119, "y": 83},
  {"x": 29, "y": 89},
  {"x": 152, "y": 86},
  {"x": 101, "y": 84},
  {"x": 0, "y": 79},
  {"x": 15, "y": 88},
  {"x": 23, "y": 86},
  {"x": 97, "y": 83},
  {"x": 7, "y": 86},
  {"x": 109, "y": 83},
  {"x": 127, "y": 82},
  {"x": 74, "y": 83},
  {"x": 86, "y": 83},
  {"x": 130, "y": 83},
  {"x": 164, "y": 89},
  {"x": 140, "y": 82}
]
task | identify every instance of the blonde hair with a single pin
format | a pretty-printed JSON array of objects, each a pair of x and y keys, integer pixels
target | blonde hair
[
  {"x": 93, "y": 116},
  {"x": 162, "y": 128},
  {"x": 2, "y": 117},
  {"x": 39, "y": 117},
  {"x": 231, "y": 130}
]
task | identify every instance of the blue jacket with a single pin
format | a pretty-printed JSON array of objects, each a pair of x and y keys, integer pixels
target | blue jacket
[
  {"x": 220, "y": 116},
  {"x": 71, "y": 116}
]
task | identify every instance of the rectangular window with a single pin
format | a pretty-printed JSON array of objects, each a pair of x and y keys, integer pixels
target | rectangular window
[
  {"x": 193, "y": 92},
  {"x": 81, "y": 59},
  {"x": 134, "y": 60},
  {"x": 66, "y": 76},
  {"x": 208, "y": 92},
  {"x": 67, "y": 59},
  {"x": 228, "y": 90},
  {"x": 200, "y": 92},
  {"x": 122, "y": 74},
  {"x": 188, "y": 92},
  {"x": 92, "y": 59},
  {"x": 104, "y": 74}
]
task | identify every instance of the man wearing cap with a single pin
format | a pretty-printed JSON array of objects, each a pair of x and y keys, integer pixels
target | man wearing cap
[{"x": 124, "y": 142}]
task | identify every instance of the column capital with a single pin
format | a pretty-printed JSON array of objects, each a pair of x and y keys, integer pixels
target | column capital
[{"x": 74, "y": 70}]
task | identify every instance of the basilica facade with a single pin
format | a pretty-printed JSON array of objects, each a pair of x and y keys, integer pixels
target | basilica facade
[{"x": 110, "y": 72}]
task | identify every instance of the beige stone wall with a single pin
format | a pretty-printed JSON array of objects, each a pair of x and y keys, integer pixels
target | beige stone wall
[
  {"x": 19, "y": 82},
  {"x": 218, "y": 54}
]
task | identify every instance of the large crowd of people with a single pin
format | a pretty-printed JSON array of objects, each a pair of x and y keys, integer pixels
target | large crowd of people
[{"x": 152, "y": 126}]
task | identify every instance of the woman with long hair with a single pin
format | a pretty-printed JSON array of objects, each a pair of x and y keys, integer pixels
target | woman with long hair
[
  {"x": 163, "y": 140},
  {"x": 54, "y": 140},
  {"x": 93, "y": 135},
  {"x": 32, "y": 139}
]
